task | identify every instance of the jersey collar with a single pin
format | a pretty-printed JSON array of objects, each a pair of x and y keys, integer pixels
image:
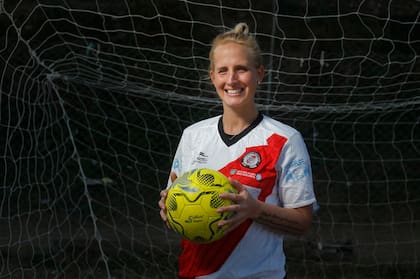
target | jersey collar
[{"x": 232, "y": 139}]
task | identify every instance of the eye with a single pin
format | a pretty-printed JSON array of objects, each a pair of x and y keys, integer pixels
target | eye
[
  {"x": 242, "y": 69},
  {"x": 222, "y": 71}
]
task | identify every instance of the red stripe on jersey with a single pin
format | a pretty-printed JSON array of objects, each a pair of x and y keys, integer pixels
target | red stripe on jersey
[
  {"x": 254, "y": 168},
  {"x": 204, "y": 258},
  {"x": 260, "y": 172}
]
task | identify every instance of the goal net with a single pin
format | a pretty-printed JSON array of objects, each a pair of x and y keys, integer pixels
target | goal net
[{"x": 94, "y": 96}]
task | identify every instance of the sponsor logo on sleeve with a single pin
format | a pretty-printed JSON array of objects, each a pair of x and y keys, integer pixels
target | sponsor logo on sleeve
[
  {"x": 297, "y": 170},
  {"x": 176, "y": 165}
]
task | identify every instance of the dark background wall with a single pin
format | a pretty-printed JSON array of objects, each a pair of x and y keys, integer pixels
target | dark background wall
[{"x": 94, "y": 96}]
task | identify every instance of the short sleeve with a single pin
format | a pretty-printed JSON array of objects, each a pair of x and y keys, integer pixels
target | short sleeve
[
  {"x": 295, "y": 175},
  {"x": 178, "y": 160}
]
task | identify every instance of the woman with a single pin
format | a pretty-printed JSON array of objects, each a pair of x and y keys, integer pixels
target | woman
[{"x": 266, "y": 161}]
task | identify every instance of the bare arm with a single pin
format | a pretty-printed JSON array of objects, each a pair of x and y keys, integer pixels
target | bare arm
[{"x": 294, "y": 221}]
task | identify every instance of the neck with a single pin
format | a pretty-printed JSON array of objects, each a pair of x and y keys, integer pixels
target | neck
[{"x": 235, "y": 122}]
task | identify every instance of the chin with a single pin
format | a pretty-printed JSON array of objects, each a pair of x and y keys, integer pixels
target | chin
[{"x": 234, "y": 103}]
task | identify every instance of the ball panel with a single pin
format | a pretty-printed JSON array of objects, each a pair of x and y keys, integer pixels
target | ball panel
[
  {"x": 216, "y": 201},
  {"x": 205, "y": 179},
  {"x": 192, "y": 204}
]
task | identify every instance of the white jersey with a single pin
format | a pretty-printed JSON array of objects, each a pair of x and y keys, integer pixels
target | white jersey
[{"x": 271, "y": 160}]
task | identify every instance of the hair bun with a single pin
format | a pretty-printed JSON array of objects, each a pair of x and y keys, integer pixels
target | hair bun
[
  {"x": 239, "y": 35},
  {"x": 241, "y": 28}
]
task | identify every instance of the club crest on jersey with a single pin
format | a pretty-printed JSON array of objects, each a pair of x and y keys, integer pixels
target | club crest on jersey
[{"x": 251, "y": 160}]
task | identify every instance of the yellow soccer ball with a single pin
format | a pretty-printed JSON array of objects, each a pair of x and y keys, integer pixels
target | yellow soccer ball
[{"x": 192, "y": 201}]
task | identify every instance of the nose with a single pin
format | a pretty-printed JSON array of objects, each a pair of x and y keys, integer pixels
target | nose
[{"x": 233, "y": 77}]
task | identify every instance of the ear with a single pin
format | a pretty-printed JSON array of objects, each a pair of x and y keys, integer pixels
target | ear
[
  {"x": 211, "y": 74},
  {"x": 260, "y": 73}
]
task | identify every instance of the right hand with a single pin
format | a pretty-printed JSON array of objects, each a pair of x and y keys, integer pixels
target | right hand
[{"x": 162, "y": 201}]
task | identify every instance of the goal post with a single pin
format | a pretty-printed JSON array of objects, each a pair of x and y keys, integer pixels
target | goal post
[{"x": 94, "y": 96}]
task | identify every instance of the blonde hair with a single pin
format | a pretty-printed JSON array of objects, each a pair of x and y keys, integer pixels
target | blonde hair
[{"x": 239, "y": 35}]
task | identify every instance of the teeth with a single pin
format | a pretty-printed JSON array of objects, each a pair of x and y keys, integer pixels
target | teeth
[{"x": 236, "y": 91}]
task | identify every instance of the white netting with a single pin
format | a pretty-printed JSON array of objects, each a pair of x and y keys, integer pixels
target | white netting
[{"x": 95, "y": 94}]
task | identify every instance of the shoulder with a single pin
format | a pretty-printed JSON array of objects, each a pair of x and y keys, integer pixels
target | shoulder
[
  {"x": 279, "y": 128},
  {"x": 202, "y": 125}
]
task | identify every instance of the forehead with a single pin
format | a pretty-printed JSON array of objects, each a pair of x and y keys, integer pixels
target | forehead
[{"x": 231, "y": 53}]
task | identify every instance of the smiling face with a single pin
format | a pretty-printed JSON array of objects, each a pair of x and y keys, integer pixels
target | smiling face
[{"x": 235, "y": 76}]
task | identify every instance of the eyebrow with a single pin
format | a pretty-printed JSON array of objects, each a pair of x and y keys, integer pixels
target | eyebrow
[{"x": 235, "y": 67}]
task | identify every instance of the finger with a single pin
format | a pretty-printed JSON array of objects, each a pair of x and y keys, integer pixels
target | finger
[
  {"x": 163, "y": 215},
  {"x": 227, "y": 226},
  {"x": 229, "y": 196},
  {"x": 228, "y": 208},
  {"x": 162, "y": 200},
  {"x": 163, "y": 193},
  {"x": 235, "y": 198},
  {"x": 223, "y": 225},
  {"x": 161, "y": 204},
  {"x": 236, "y": 184}
]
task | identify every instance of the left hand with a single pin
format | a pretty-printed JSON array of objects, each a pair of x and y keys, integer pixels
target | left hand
[
  {"x": 162, "y": 201},
  {"x": 245, "y": 206}
]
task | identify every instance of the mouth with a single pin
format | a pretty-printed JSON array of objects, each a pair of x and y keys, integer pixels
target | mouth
[{"x": 233, "y": 92}]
